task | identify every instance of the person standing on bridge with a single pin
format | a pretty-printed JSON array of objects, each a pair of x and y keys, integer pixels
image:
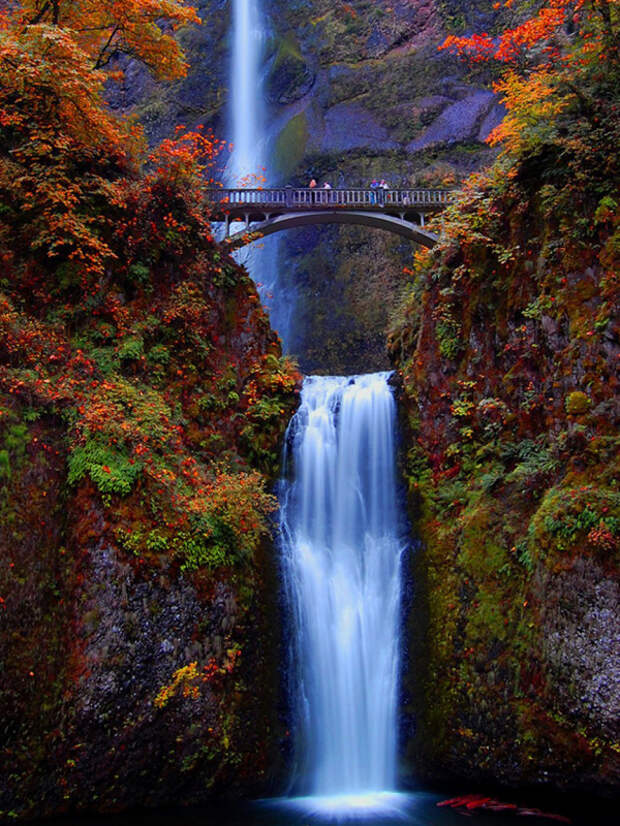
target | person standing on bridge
[{"x": 312, "y": 185}]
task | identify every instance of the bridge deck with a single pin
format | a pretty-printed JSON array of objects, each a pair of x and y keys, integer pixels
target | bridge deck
[
  {"x": 270, "y": 210},
  {"x": 238, "y": 202}
]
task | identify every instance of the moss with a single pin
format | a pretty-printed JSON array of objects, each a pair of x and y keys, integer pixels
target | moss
[
  {"x": 291, "y": 145},
  {"x": 568, "y": 515},
  {"x": 14, "y": 441},
  {"x": 577, "y": 403},
  {"x": 486, "y": 621},
  {"x": 458, "y": 17},
  {"x": 448, "y": 338},
  {"x": 289, "y": 77},
  {"x": 481, "y": 556}
]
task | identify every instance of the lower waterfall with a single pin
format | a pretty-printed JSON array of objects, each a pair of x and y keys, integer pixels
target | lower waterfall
[{"x": 342, "y": 542}]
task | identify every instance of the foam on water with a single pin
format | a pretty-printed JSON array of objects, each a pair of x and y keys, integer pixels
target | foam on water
[{"x": 342, "y": 545}]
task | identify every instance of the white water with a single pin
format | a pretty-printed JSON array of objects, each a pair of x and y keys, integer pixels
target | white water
[
  {"x": 246, "y": 92},
  {"x": 250, "y": 160},
  {"x": 341, "y": 557}
]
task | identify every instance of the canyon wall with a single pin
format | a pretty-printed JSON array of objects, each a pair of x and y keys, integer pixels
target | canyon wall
[
  {"x": 354, "y": 91},
  {"x": 139, "y": 596},
  {"x": 507, "y": 348}
]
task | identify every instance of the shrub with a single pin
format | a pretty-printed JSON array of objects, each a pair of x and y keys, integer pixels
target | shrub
[
  {"x": 577, "y": 403},
  {"x": 112, "y": 471}
]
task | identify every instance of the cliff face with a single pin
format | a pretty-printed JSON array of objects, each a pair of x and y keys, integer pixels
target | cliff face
[
  {"x": 143, "y": 399},
  {"x": 142, "y": 404},
  {"x": 353, "y": 91},
  {"x": 507, "y": 346},
  {"x": 366, "y": 79},
  {"x": 139, "y": 603},
  {"x": 360, "y": 91},
  {"x": 201, "y": 97}
]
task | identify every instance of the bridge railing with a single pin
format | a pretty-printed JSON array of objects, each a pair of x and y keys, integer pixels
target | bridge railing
[{"x": 290, "y": 198}]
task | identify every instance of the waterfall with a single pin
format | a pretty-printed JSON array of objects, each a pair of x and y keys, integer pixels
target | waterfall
[
  {"x": 246, "y": 93},
  {"x": 341, "y": 547},
  {"x": 341, "y": 528},
  {"x": 251, "y": 155}
]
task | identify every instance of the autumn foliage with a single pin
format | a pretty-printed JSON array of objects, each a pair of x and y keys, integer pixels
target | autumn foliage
[
  {"x": 507, "y": 345},
  {"x": 143, "y": 394},
  {"x": 560, "y": 61},
  {"x": 141, "y": 29},
  {"x": 545, "y": 218},
  {"x": 117, "y": 308},
  {"x": 62, "y": 147}
]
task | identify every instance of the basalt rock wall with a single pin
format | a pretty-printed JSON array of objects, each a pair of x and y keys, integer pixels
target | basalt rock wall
[
  {"x": 360, "y": 91},
  {"x": 353, "y": 91},
  {"x": 139, "y": 633},
  {"x": 507, "y": 365}
]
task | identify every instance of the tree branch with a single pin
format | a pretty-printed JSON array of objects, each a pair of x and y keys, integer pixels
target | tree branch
[
  {"x": 40, "y": 15},
  {"x": 100, "y": 62}
]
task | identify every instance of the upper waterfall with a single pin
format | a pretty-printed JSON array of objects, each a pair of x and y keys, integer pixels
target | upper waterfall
[
  {"x": 250, "y": 158},
  {"x": 246, "y": 98}
]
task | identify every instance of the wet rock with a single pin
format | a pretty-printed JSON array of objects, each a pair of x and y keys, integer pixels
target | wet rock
[
  {"x": 349, "y": 126},
  {"x": 461, "y": 121},
  {"x": 581, "y": 633}
]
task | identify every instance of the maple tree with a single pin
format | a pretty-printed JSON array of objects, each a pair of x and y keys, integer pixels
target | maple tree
[
  {"x": 62, "y": 146},
  {"x": 562, "y": 59},
  {"x": 91, "y": 227},
  {"x": 141, "y": 29}
]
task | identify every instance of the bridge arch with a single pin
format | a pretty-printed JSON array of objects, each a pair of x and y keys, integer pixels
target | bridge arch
[
  {"x": 266, "y": 211},
  {"x": 291, "y": 220}
]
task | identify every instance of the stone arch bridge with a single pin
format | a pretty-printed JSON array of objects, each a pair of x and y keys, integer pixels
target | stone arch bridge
[{"x": 265, "y": 211}]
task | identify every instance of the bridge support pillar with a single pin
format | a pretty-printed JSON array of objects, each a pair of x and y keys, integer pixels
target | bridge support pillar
[
  {"x": 227, "y": 222},
  {"x": 421, "y": 216}
]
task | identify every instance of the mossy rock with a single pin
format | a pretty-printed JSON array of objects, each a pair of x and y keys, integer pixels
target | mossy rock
[
  {"x": 291, "y": 145},
  {"x": 577, "y": 403},
  {"x": 290, "y": 77}
]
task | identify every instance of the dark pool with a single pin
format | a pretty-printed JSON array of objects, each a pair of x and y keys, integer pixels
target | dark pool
[{"x": 411, "y": 809}]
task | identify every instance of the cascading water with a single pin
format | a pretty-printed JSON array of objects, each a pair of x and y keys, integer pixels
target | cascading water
[
  {"x": 251, "y": 156},
  {"x": 340, "y": 524},
  {"x": 342, "y": 545},
  {"x": 246, "y": 98}
]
